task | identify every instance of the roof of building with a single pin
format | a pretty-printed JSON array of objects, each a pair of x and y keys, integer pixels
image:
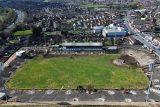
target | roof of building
[
  {"x": 2, "y": 95},
  {"x": 112, "y": 47},
  {"x": 157, "y": 38},
  {"x": 113, "y": 28},
  {"x": 140, "y": 10},
  {"x": 82, "y": 44},
  {"x": 98, "y": 27}
]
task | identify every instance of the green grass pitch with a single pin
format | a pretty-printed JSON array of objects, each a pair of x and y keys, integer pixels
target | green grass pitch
[
  {"x": 68, "y": 73},
  {"x": 23, "y": 33}
]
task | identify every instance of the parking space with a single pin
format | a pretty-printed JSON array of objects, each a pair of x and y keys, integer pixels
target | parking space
[
  {"x": 73, "y": 95},
  {"x": 55, "y": 95}
]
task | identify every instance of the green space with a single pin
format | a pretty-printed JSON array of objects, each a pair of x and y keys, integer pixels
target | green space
[
  {"x": 7, "y": 16},
  {"x": 23, "y": 33},
  {"x": 1, "y": 18},
  {"x": 69, "y": 72}
]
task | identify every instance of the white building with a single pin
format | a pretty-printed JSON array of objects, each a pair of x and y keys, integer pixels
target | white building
[
  {"x": 19, "y": 53},
  {"x": 98, "y": 29},
  {"x": 156, "y": 41},
  {"x": 81, "y": 44},
  {"x": 114, "y": 31}
]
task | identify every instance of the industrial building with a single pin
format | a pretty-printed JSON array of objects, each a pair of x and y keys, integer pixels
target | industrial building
[
  {"x": 80, "y": 46},
  {"x": 114, "y": 31},
  {"x": 86, "y": 46},
  {"x": 98, "y": 29}
]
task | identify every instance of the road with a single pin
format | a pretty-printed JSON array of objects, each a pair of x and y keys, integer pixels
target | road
[
  {"x": 44, "y": 96},
  {"x": 99, "y": 96},
  {"x": 141, "y": 36},
  {"x": 20, "y": 19}
]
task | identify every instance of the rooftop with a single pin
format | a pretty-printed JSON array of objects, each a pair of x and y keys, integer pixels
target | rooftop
[
  {"x": 82, "y": 44},
  {"x": 113, "y": 28}
]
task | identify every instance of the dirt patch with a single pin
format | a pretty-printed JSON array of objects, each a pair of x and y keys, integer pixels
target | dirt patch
[
  {"x": 126, "y": 60},
  {"x": 141, "y": 57},
  {"x": 119, "y": 62},
  {"x": 131, "y": 61}
]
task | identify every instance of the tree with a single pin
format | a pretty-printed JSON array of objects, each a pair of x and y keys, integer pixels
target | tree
[
  {"x": 20, "y": 26},
  {"x": 64, "y": 32},
  {"x": 37, "y": 35},
  {"x": 37, "y": 31}
]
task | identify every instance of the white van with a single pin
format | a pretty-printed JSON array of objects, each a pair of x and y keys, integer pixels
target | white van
[{"x": 2, "y": 95}]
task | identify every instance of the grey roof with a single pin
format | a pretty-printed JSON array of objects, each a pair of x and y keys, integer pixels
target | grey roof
[
  {"x": 82, "y": 44},
  {"x": 113, "y": 28},
  {"x": 112, "y": 47}
]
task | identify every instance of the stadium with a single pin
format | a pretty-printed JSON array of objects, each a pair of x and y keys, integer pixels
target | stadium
[{"x": 68, "y": 67}]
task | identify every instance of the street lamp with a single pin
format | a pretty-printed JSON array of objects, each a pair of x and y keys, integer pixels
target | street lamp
[
  {"x": 1, "y": 79},
  {"x": 150, "y": 69}
]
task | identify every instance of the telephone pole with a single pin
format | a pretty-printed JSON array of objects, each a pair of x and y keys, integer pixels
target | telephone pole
[
  {"x": 150, "y": 69},
  {"x": 1, "y": 80}
]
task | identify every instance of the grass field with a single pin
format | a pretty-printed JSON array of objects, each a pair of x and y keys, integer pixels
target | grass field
[
  {"x": 1, "y": 18},
  {"x": 23, "y": 33},
  {"x": 68, "y": 73}
]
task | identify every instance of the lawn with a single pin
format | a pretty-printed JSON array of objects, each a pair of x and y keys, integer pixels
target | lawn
[
  {"x": 69, "y": 72},
  {"x": 1, "y": 18},
  {"x": 23, "y": 33}
]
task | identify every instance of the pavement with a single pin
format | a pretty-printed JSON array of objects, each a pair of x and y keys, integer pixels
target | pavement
[
  {"x": 141, "y": 36},
  {"x": 99, "y": 97},
  {"x": 32, "y": 96},
  {"x": 48, "y": 104}
]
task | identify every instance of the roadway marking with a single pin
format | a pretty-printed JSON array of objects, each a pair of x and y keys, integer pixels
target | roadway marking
[
  {"x": 111, "y": 92},
  {"x": 157, "y": 86},
  {"x": 13, "y": 92},
  {"x": 48, "y": 92},
  {"x": 68, "y": 92},
  {"x": 75, "y": 99},
  {"x": 145, "y": 91},
  {"x": 30, "y": 92},
  {"x": 151, "y": 100},
  {"x": 133, "y": 92},
  {"x": 88, "y": 92},
  {"x": 155, "y": 90},
  {"x": 101, "y": 99},
  {"x": 128, "y": 100},
  {"x": 156, "y": 80}
]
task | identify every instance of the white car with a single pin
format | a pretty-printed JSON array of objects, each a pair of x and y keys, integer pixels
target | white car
[{"x": 2, "y": 95}]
